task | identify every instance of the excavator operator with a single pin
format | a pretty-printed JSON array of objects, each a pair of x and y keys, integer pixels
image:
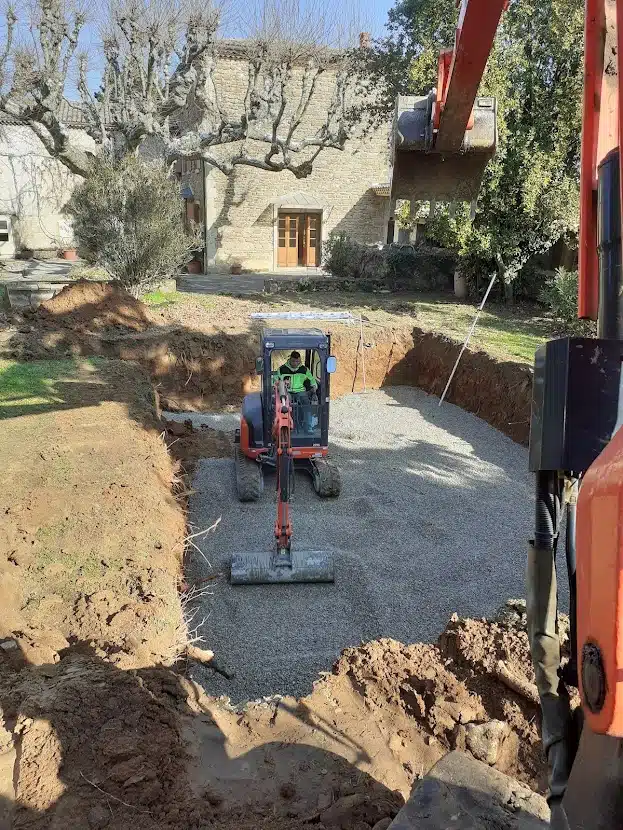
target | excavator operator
[{"x": 303, "y": 387}]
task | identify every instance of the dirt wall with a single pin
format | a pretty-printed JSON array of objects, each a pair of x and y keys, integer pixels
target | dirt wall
[
  {"x": 93, "y": 536},
  {"x": 209, "y": 363},
  {"x": 198, "y": 371},
  {"x": 192, "y": 370}
]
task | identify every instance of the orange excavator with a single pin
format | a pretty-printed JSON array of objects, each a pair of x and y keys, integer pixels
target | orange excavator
[{"x": 441, "y": 145}]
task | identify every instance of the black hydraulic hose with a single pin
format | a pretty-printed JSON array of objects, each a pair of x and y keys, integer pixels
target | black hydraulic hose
[{"x": 547, "y": 510}]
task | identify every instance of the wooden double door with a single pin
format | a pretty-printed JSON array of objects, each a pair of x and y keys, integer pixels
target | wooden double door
[{"x": 298, "y": 240}]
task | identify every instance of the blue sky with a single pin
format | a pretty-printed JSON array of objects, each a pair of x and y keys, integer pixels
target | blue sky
[{"x": 370, "y": 16}]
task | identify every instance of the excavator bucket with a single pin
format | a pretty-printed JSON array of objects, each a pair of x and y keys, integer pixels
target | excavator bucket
[
  {"x": 421, "y": 171},
  {"x": 270, "y": 567}
]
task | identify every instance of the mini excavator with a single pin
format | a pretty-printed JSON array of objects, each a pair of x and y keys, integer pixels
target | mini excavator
[{"x": 285, "y": 431}]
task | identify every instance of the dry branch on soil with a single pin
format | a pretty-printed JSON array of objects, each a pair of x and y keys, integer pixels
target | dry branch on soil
[{"x": 517, "y": 684}]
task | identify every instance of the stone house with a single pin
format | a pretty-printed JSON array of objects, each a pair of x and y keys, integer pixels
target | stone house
[
  {"x": 34, "y": 187},
  {"x": 269, "y": 221},
  {"x": 262, "y": 220}
]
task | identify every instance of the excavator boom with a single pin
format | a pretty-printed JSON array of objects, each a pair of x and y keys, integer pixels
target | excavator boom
[
  {"x": 441, "y": 146},
  {"x": 442, "y": 141}
]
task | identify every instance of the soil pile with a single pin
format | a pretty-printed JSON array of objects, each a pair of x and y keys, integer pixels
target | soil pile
[
  {"x": 457, "y": 690},
  {"x": 94, "y": 746},
  {"x": 95, "y": 306},
  {"x": 93, "y": 535}
]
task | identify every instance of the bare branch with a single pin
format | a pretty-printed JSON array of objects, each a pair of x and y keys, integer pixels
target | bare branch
[
  {"x": 161, "y": 67},
  {"x": 11, "y": 20}
]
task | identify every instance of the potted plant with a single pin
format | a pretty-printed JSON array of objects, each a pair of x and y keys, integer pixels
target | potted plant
[
  {"x": 70, "y": 254},
  {"x": 195, "y": 266},
  {"x": 67, "y": 246},
  {"x": 236, "y": 267}
]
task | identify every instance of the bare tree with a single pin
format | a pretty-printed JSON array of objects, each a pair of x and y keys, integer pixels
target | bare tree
[{"x": 160, "y": 69}]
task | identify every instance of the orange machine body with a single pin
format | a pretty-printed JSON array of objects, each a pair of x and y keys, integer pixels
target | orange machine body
[{"x": 599, "y": 541}]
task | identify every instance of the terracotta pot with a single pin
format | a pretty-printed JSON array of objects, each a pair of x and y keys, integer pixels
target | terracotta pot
[
  {"x": 194, "y": 267},
  {"x": 70, "y": 253},
  {"x": 236, "y": 268}
]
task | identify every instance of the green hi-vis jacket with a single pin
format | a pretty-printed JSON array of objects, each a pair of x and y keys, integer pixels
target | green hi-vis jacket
[{"x": 297, "y": 377}]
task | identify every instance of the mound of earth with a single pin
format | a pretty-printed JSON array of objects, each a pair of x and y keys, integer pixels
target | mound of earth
[
  {"x": 458, "y": 690},
  {"x": 94, "y": 746},
  {"x": 93, "y": 537},
  {"x": 95, "y": 306}
]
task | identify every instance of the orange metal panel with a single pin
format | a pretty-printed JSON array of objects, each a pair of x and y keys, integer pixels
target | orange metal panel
[
  {"x": 600, "y": 579},
  {"x": 478, "y": 23}
]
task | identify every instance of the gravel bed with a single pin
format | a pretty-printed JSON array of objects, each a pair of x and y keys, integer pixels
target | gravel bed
[{"x": 435, "y": 511}]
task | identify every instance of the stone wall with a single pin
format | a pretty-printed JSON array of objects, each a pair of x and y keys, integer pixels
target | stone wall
[
  {"x": 241, "y": 217},
  {"x": 33, "y": 189}
]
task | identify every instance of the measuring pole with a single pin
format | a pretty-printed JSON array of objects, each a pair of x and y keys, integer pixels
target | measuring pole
[{"x": 467, "y": 339}]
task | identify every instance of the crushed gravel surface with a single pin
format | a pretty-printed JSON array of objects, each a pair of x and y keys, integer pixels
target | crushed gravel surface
[{"x": 435, "y": 510}]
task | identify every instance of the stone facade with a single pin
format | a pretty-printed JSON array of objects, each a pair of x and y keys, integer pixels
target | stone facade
[{"x": 241, "y": 210}]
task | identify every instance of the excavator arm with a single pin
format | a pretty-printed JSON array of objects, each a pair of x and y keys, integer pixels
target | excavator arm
[
  {"x": 282, "y": 435},
  {"x": 460, "y": 72},
  {"x": 442, "y": 141}
]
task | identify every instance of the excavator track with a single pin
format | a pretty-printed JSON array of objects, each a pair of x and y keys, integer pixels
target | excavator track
[
  {"x": 249, "y": 477},
  {"x": 326, "y": 478}
]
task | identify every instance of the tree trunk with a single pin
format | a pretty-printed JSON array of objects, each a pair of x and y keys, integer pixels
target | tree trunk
[
  {"x": 503, "y": 277},
  {"x": 460, "y": 285},
  {"x": 509, "y": 293}
]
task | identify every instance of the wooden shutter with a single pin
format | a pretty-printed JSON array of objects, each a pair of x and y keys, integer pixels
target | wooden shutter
[{"x": 312, "y": 238}]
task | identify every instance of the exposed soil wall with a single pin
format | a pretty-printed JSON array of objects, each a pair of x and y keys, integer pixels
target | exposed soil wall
[{"x": 201, "y": 369}]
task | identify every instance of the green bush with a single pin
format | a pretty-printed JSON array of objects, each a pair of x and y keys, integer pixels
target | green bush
[
  {"x": 420, "y": 268},
  {"x": 560, "y": 295},
  {"x": 127, "y": 218},
  {"x": 349, "y": 260}
]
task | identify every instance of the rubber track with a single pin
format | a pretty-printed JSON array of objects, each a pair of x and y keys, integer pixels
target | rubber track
[
  {"x": 329, "y": 480},
  {"x": 248, "y": 477}
]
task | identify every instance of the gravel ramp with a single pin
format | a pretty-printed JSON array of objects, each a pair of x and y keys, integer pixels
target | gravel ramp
[{"x": 435, "y": 511}]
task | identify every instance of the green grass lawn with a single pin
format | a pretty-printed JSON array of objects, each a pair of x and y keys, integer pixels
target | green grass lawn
[
  {"x": 39, "y": 386},
  {"x": 162, "y": 299},
  {"x": 508, "y": 334}
]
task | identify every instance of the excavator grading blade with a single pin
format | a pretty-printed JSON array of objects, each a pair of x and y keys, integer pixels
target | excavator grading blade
[
  {"x": 270, "y": 567},
  {"x": 420, "y": 171}
]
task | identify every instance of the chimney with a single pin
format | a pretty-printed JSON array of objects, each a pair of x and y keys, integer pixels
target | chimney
[{"x": 364, "y": 40}]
